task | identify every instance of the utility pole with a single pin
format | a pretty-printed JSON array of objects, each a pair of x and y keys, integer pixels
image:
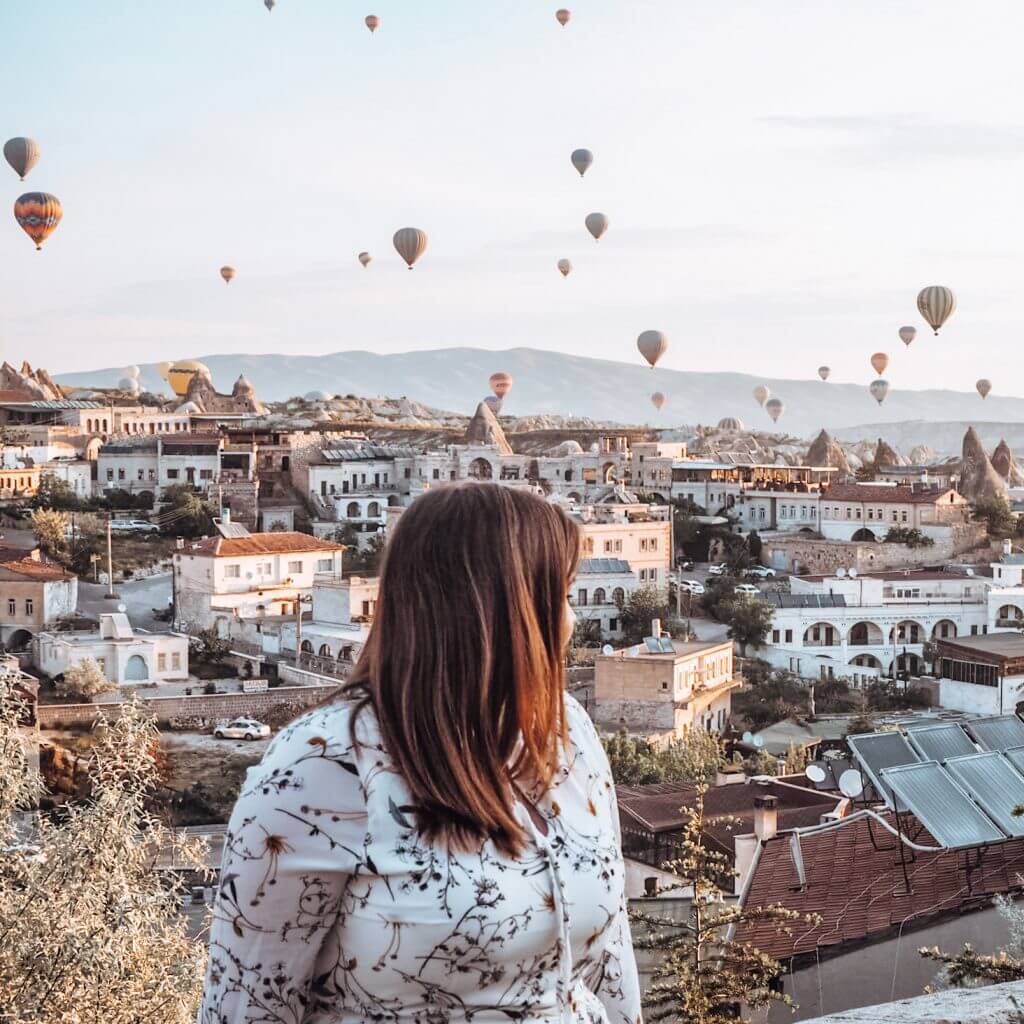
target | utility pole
[{"x": 110, "y": 595}]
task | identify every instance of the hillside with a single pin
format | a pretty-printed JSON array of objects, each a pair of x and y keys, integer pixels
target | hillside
[{"x": 557, "y": 383}]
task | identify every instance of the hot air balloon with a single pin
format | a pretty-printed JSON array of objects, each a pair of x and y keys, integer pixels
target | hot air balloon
[
  {"x": 652, "y": 346},
  {"x": 365, "y": 258},
  {"x": 133, "y": 371},
  {"x": 270, "y": 4},
  {"x": 581, "y": 160},
  {"x": 162, "y": 369},
  {"x": 761, "y": 394},
  {"x": 563, "y": 16},
  {"x": 38, "y": 213},
  {"x": 775, "y": 408},
  {"x": 228, "y": 273},
  {"x": 936, "y": 304},
  {"x": 908, "y": 334},
  {"x": 22, "y": 154},
  {"x": 372, "y": 22},
  {"x": 879, "y": 389},
  {"x": 501, "y": 383},
  {"x": 824, "y": 371},
  {"x": 411, "y": 244},
  {"x": 657, "y": 400},
  {"x": 597, "y": 225},
  {"x": 180, "y": 374},
  {"x": 984, "y": 386},
  {"x": 879, "y": 361},
  {"x": 565, "y": 267}
]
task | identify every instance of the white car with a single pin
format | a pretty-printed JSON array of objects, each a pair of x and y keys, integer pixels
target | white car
[
  {"x": 746, "y": 588},
  {"x": 693, "y": 586},
  {"x": 762, "y": 572},
  {"x": 134, "y": 526},
  {"x": 242, "y": 729},
  {"x": 717, "y": 569}
]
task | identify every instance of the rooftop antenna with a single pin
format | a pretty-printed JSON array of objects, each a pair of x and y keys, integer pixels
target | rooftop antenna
[
  {"x": 840, "y": 572},
  {"x": 815, "y": 773},
  {"x": 607, "y": 650},
  {"x": 853, "y": 573},
  {"x": 851, "y": 784}
]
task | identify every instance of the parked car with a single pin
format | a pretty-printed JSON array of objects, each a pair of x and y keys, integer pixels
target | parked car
[
  {"x": 686, "y": 565},
  {"x": 134, "y": 526},
  {"x": 746, "y": 588},
  {"x": 693, "y": 586},
  {"x": 717, "y": 569},
  {"x": 761, "y": 572},
  {"x": 242, "y": 729}
]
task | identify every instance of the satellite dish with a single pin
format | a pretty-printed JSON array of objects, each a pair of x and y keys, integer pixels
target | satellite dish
[
  {"x": 607, "y": 650},
  {"x": 759, "y": 742},
  {"x": 853, "y": 573},
  {"x": 840, "y": 572},
  {"x": 970, "y": 572},
  {"x": 122, "y": 607},
  {"x": 850, "y": 783},
  {"x": 634, "y": 652},
  {"x": 815, "y": 773},
  {"x": 748, "y": 737}
]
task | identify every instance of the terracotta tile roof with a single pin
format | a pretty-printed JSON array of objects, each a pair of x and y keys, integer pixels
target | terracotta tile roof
[
  {"x": 900, "y": 493},
  {"x": 29, "y": 568},
  {"x": 858, "y": 889},
  {"x": 261, "y": 544},
  {"x": 657, "y": 808}
]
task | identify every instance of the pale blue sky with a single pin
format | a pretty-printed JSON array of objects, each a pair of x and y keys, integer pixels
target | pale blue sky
[{"x": 780, "y": 179}]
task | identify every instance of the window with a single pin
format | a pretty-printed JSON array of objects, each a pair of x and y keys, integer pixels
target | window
[
  {"x": 141, "y": 474},
  {"x": 613, "y": 625},
  {"x": 904, "y": 515},
  {"x": 110, "y": 474},
  {"x": 175, "y": 661},
  {"x": 643, "y": 543},
  {"x": 408, "y": 472},
  {"x": 161, "y": 663},
  {"x": 789, "y": 636},
  {"x": 619, "y": 598},
  {"x": 775, "y": 636},
  {"x": 324, "y": 565},
  {"x": 871, "y": 513},
  {"x": 643, "y": 575},
  {"x": 206, "y": 474},
  {"x": 173, "y": 474},
  {"x": 599, "y": 596},
  {"x": 120, "y": 473},
  {"x": 12, "y": 606},
  {"x": 152, "y": 474},
  {"x": 295, "y": 567},
  {"x": 437, "y": 474},
  {"x": 664, "y": 685},
  {"x": 581, "y": 596},
  {"x": 232, "y": 572},
  {"x": 29, "y": 605},
  {"x": 654, "y": 543}
]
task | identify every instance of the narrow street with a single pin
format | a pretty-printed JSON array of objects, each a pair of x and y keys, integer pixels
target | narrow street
[{"x": 139, "y": 597}]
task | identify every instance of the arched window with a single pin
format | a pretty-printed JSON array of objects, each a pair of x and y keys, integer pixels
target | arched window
[
  {"x": 618, "y": 596},
  {"x": 136, "y": 669},
  {"x": 325, "y": 651},
  {"x": 599, "y": 596},
  {"x": 307, "y": 647},
  {"x": 373, "y": 510},
  {"x": 352, "y": 512},
  {"x": 480, "y": 469}
]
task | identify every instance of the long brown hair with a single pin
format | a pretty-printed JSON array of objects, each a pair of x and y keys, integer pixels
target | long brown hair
[{"x": 464, "y": 665}]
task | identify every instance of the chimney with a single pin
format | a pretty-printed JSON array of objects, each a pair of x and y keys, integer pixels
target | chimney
[
  {"x": 655, "y": 627},
  {"x": 1007, "y": 547},
  {"x": 766, "y": 816},
  {"x": 225, "y": 516}
]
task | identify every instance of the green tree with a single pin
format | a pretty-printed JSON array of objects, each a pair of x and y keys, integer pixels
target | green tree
[
  {"x": 781, "y": 695},
  {"x": 85, "y": 680},
  {"x": 641, "y": 608},
  {"x": 691, "y": 537},
  {"x": 50, "y": 528},
  {"x": 754, "y": 545},
  {"x": 207, "y": 647},
  {"x": 55, "y": 493},
  {"x": 912, "y": 537},
  {"x": 185, "y": 513},
  {"x": 995, "y": 513},
  {"x": 748, "y": 619},
  {"x": 587, "y": 633},
  {"x": 797, "y": 759},
  {"x": 636, "y": 762},
  {"x": 364, "y": 561},
  {"x": 762, "y": 763},
  {"x": 703, "y": 976}
]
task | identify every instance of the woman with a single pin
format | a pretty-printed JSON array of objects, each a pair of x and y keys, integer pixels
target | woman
[{"x": 440, "y": 843}]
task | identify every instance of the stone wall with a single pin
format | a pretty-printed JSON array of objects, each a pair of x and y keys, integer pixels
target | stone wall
[{"x": 213, "y": 707}]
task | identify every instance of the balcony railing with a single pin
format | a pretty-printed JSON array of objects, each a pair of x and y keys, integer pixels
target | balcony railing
[{"x": 324, "y": 666}]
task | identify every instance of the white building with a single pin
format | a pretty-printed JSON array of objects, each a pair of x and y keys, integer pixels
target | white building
[
  {"x": 619, "y": 526},
  {"x": 982, "y": 675},
  {"x": 235, "y": 583},
  {"x": 601, "y": 588},
  {"x": 860, "y": 627},
  {"x": 126, "y": 657},
  {"x": 155, "y": 463}
]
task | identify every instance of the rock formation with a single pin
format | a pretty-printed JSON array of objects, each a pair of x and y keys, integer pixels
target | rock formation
[
  {"x": 826, "y": 451},
  {"x": 34, "y": 384},
  {"x": 484, "y": 429},
  {"x": 978, "y": 480},
  {"x": 1006, "y": 466},
  {"x": 207, "y": 399},
  {"x": 886, "y": 455},
  {"x": 922, "y": 455}
]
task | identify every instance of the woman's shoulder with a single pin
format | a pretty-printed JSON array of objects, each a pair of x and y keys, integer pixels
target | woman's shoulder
[
  {"x": 582, "y": 732},
  {"x": 337, "y": 729}
]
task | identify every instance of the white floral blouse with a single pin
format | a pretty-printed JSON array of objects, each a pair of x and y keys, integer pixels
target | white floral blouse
[{"x": 332, "y": 909}]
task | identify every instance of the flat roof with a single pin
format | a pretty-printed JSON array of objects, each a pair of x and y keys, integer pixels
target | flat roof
[
  {"x": 1003, "y": 645},
  {"x": 683, "y": 648},
  {"x": 908, "y": 575}
]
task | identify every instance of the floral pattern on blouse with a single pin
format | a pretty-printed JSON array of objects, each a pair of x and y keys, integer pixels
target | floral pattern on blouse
[{"x": 333, "y": 909}]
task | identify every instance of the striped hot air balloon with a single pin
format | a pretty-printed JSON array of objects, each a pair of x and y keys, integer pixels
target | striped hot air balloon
[
  {"x": 775, "y": 407},
  {"x": 228, "y": 273},
  {"x": 365, "y": 258},
  {"x": 936, "y": 304},
  {"x": 411, "y": 244},
  {"x": 22, "y": 154},
  {"x": 652, "y": 345},
  {"x": 38, "y": 213},
  {"x": 908, "y": 334},
  {"x": 984, "y": 386},
  {"x": 565, "y": 267},
  {"x": 657, "y": 400},
  {"x": 879, "y": 389},
  {"x": 597, "y": 225},
  {"x": 761, "y": 394}
]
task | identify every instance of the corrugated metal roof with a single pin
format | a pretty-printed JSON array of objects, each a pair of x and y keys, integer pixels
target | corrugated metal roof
[
  {"x": 994, "y": 784},
  {"x": 941, "y": 805},
  {"x": 999, "y": 732},
  {"x": 604, "y": 566},
  {"x": 938, "y": 742}
]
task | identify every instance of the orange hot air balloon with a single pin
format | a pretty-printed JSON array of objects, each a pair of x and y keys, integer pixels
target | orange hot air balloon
[
  {"x": 38, "y": 213},
  {"x": 879, "y": 361},
  {"x": 501, "y": 383},
  {"x": 228, "y": 273},
  {"x": 372, "y": 22}
]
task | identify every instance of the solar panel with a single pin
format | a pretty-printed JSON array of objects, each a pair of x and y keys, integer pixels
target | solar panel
[
  {"x": 1015, "y": 755},
  {"x": 653, "y": 646},
  {"x": 934, "y": 797},
  {"x": 667, "y": 647},
  {"x": 876, "y": 751},
  {"x": 996, "y": 786},
  {"x": 999, "y": 732},
  {"x": 939, "y": 742}
]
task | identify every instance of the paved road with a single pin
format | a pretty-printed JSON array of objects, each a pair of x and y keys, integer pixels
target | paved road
[{"x": 140, "y": 597}]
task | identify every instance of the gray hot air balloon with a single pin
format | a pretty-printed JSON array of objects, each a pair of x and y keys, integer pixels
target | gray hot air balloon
[
  {"x": 563, "y": 15},
  {"x": 761, "y": 394},
  {"x": 597, "y": 225},
  {"x": 22, "y": 154},
  {"x": 824, "y": 371},
  {"x": 936, "y": 304},
  {"x": 984, "y": 386},
  {"x": 652, "y": 346},
  {"x": 657, "y": 400},
  {"x": 908, "y": 334},
  {"x": 270, "y": 4},
  {"x": 365, "y": 258},
  {"x": 581, "y": 160},
  {"x": 411, "y": 244},
  {"x": 775, "y": 408},
  {"x": 565, "y": 266},
  {"x": 879, "y": 389}
]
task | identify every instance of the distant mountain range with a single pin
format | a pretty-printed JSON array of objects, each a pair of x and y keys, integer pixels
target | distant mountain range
[{"x": 554, "y": 382}]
